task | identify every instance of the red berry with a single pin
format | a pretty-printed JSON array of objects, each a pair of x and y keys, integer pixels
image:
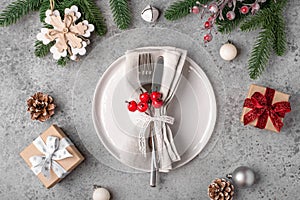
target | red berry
[
  {"x": 195, "y": 10},
  {"x": 230, "y": 15},
  {"x": 157, "y": 103},
  {"x": 142, "y": 106},
  {"x": 155, "y": 95},
  {"x": 132, "y": 106},
  {"x": 144, "y": 97},
  {"x": 244, "y": 9},
  {"x": 207, "y": 37},
  {"x": 213, "y": 8},
  {"x": 207, "y": 25},
  {"x": 210, "y": 19}
]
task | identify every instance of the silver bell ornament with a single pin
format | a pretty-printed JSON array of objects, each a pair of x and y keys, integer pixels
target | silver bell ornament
[
  {"x": 150, "y": 14},
  {"x": 242, "y": 177}
]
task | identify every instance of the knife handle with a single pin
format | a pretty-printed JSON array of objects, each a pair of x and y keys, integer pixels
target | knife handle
[{"x": 153, "y": 174}]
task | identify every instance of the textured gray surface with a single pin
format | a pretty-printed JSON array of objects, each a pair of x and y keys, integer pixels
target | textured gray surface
[{"x": 274, "y": 156}]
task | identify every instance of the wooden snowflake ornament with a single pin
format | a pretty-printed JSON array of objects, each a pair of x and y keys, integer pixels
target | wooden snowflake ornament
[{"x": 70, "y": 38}]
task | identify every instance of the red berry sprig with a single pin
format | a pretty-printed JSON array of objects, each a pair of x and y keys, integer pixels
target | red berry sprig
[
  {"x": 215, "y": 12},
  {"x": 146, "y": 99}
]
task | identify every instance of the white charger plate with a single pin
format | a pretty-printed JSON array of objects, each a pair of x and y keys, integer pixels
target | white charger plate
[{"x": 193, "y": 107}]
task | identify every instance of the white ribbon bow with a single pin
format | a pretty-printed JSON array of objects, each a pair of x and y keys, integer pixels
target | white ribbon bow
[
  {"x": 144, "y": 121},
  {"x": 53, "y": 150}
]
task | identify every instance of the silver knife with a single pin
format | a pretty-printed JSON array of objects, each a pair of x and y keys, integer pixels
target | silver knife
[
  {"x": 156, "y": 85},
  {"x": 158, "y": 74}
]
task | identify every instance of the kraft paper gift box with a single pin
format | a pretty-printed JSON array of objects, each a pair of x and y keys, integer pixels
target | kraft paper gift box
[
  {"x": 277, "y": 104},
  {"x": 68, "y": 164}
]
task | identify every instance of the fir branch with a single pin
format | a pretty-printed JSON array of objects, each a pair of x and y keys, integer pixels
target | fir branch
[
  {"x": 92, "y": 13},
  {"x": 121, "y": 13},
  {"x": 260, "y": 53},
  {"x": 226, "y": 26},
  {"x": 253, "y": 22},
  {"x": 280, "y": 42},
  {"x": 44, "y": 7},
  {"x": 181, "y": 9},
  {"x": 42, "y": 50},
  {"x": 14, "y": 11},
  {"x": 63, "y": 61}
]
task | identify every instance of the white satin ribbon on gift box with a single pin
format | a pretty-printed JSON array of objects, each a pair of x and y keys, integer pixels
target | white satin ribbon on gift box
[{"x": 53, "y": 150}]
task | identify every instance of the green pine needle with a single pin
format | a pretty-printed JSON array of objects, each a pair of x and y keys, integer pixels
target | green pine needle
[
  {"x": 121, "y": 13},
  {"x": 280, "y": 43},
  {"x": 227, "y": 26},
  {"x": 44, "y": 7},
  {"x": 260, "y": 53},
  {"x": 92, "y": 13},
  {"x": 181, "y": 9},
  {"x": 42, "y": 50},
  {"x": 63, "y": 61},
  {"x": 14, "y": 11},
  {"x": 252, "y": 23}
]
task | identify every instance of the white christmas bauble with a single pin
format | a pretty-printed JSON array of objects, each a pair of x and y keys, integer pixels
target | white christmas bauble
[
  {"x": 228, "y": 51},
  {"x": 150, "y": 14},
  {"x": 101, "y": 194}
]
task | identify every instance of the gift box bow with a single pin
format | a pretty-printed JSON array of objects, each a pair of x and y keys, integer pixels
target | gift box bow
[
  {"x": 53, "y": 150},
  {"x": 261, "y": 108}
]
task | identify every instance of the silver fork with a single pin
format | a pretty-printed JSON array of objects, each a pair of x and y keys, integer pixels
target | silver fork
[
  {"x": 145, "y": 75},
  {"x": 145, "y": 71}
]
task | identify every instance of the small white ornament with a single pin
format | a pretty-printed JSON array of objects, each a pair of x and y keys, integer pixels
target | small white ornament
[
  {"x": 150, "y": 14},
  {"x": 228, "y": 51},
  {"x": 101, "y": 194}
]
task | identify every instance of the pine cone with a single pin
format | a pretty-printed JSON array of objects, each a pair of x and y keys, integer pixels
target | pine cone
[
  {"x": 221, "y": 189},
  {"x": 40, "y": 106}
]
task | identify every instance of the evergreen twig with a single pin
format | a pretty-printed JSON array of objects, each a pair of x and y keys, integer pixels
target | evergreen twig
[
  {"x": 63, "y": 61},
  {"x": 181, "y": 9},
  {"x": 280, "y": 42},
  {"x": 227, "y": 26},
  {"x": 260, "y": 53},
  {"x": 121, "y": 13},
  {"x": 14, "y": 11},
  {"x": 42, "y": 50},
  {"x": 92, "y": 13}
]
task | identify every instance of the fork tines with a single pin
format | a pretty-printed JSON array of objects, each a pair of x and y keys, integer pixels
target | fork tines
[{"x": 145, "y": 67}]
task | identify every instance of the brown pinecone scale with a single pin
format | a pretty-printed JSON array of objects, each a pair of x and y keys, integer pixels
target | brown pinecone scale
[
  {"x": 221, "y": 189},
  {"x": 41, "y": 106}
]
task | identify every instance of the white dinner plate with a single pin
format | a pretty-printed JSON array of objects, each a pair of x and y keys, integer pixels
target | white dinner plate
[{"x": 193, "y": 107}]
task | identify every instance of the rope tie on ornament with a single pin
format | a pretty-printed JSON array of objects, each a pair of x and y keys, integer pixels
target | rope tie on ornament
[{"x": 52, "y": 5}]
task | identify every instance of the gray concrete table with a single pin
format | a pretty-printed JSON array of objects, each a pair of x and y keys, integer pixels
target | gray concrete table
[{"x": 275, "y": 157}]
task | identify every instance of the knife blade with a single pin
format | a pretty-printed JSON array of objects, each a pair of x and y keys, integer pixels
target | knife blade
[{"x": 158, "y": 74}]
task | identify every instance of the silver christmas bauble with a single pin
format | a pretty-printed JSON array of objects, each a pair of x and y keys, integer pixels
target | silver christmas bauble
[{"x": 242, "y": 177}]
